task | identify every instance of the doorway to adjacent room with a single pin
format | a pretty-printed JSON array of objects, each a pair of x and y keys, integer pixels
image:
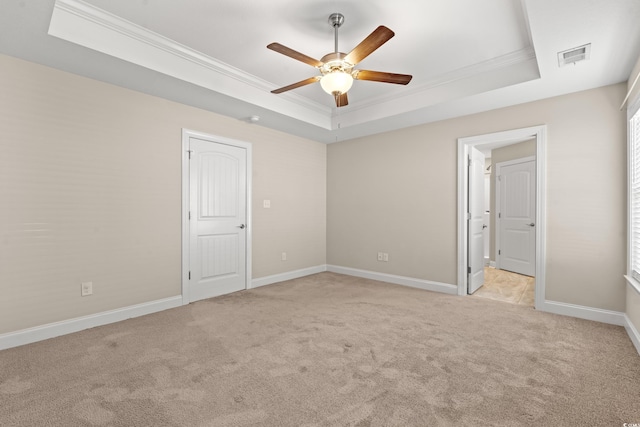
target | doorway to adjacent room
[{"x": 510, "y": 268}]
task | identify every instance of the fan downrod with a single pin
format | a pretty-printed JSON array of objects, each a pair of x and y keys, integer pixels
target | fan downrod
[{"x": 336, "y": 20}]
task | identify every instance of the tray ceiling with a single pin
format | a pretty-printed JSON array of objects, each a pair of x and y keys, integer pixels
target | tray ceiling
[{"x": 466, "y": 56}]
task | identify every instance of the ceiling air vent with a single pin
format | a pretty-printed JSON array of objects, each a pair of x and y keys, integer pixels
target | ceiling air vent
[{"x": 577, "y": 54}]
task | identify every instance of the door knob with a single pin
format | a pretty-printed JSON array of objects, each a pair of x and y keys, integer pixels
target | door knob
[
  {"x": 532, "y": 224},
  {"x": 241, "y": 226}
]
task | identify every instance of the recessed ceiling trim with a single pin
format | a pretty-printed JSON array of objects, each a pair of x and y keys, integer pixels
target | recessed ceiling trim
[
  {"x": 508, "y": 60},
  {"x": 86, "y": 25},
  {"x": 492, "y": 64},
  {"x": 491, "y": 80}
]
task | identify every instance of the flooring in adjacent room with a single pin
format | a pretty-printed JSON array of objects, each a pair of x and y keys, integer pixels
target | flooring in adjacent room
[{"x": 502, "y": 285}]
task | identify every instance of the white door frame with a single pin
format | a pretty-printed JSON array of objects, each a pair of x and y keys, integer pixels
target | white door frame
[
  {"x": 495, "y": 140},
  {"x": 499, "y": 197},
  {"x": 186, "y": 135}
]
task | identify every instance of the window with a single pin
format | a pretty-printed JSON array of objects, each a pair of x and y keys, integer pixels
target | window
[{"x": 634, "y": 191}]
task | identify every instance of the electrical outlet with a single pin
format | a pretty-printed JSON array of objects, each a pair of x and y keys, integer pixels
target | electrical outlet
[
  {"x": 284, "y": 256},
  {"x": 385, "y": 257},
  {"x": 86, "y": 289},
  {"x": 380, "y": 256},
  {"x": 266, "y": 204}
]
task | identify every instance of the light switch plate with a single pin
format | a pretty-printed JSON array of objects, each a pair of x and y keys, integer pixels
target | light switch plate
[{"x": 86, "y": 289}]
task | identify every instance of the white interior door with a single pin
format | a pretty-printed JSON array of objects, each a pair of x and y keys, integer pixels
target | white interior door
[
  {"x": 476, "y": 220},
  {"x": 487, "y": 216},
  {"x": 218, "y": 213},
  {"x": 516, "y": 202}
]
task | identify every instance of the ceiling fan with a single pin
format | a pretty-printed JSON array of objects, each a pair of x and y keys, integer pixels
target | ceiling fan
[{"x": 336, "y": 68}]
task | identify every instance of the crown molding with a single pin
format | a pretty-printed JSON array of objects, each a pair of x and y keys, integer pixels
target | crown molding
[
  {"x": 489, "y": 76},
  {"x": 488, "y": 66},
  {"x": 86, "y": 25}
]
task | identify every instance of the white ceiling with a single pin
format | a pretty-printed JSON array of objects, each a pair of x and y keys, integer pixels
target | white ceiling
[{"x": 465, "y": 56}]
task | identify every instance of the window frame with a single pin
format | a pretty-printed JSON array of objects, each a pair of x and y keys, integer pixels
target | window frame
[{"x": 633, "y": 139}]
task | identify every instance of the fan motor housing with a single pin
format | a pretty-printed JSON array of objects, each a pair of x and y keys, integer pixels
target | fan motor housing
[{"x": 334, "y": 61}]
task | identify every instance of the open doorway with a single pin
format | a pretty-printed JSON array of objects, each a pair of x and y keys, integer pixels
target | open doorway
[
  {"x": 516, "y": 152},
  {"x": 509, "y": 223}
]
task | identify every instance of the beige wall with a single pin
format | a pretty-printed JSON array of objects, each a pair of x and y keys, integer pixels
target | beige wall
[
  {"x": 396, "y": 192},
  {"x": 499, "y": 155},
  {"x": 291, "y": 173},
  {"x": 90, "y": 190}
]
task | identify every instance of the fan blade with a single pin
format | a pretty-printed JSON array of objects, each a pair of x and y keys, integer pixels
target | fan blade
[
  {"x": 296, "y": 85},
  {"x": 277, "y": 47},
  {"x": 380, "y": 76},
  {"x": 342, "y": 100},
  {"x": 376, "y": 39}
]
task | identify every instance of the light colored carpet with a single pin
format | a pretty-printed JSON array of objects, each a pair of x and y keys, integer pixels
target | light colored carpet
[
  {"x": 503, "y": 285},
  {"x": 328, "y": 350}
]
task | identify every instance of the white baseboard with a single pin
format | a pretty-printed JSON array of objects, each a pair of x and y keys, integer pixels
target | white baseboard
[
  {"x": 632, "y": 332},
  {"x": 492, "y": 264},
  {"x": 583, "y": 312},
  {"x": 426, "y": 285},
  {"x": 52, "y": 330},
  {"x": 289, "y": 275}
]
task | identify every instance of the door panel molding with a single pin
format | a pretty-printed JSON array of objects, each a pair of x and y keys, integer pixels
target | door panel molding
[
  {"x": 496, "y": 140},
  {"x": 187, "y": 134}
]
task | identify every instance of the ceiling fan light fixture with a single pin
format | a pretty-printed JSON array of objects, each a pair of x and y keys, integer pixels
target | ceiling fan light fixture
[
  {"x": 336, "y": 82},
  {"x": 337, "y": 69}
]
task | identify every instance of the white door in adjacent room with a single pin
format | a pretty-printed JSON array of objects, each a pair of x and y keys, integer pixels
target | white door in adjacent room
[
  {"x": 217, "y": 219},
  {"x": 516, "y": 216},
  {"x": 476, "y": 220}
]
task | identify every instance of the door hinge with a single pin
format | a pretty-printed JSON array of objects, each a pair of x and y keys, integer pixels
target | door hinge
[
  {"x": 499, "y": 214},
  {"x": 469, "y": 162},
  {"x": 499, "y": 252},
  {"x": 499, "y": 177},
  {"x": 189, "y": 275},
  {"x": 189, "y": 151},
  {"x": 189, "y": 214},
  {"x": 468, "y": 270},
  {"x": 468, "y": 216}
]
